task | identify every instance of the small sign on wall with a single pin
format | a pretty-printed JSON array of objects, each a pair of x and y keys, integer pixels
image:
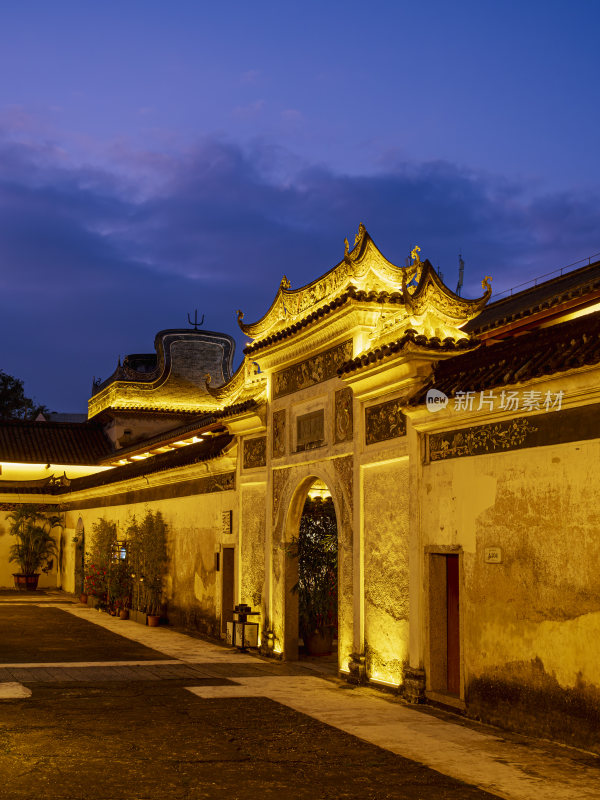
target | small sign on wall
[
  {"x": 227, "y": 521},
  {"x": 492, "y": 555}
]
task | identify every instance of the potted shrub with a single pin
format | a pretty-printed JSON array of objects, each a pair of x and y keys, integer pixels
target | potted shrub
[
  {"x": 147, "y": 562},
  {"x": 119, "y": 586},
  {"x": 98, "y": 562},
  {"x": 154, "y": 563},
  {"x": 35, "y": 547},
  {"x": 315, "y": 548}
]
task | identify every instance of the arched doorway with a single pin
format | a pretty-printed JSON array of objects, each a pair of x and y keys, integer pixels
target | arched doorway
[
  {"x": 79, "y": 556},
  {"x": 312, "y": 576}
]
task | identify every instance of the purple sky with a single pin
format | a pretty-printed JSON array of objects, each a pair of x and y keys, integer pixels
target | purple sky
[{"x": 160, "y": 157}]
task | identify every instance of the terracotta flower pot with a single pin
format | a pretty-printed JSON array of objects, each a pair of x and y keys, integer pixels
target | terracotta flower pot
[
  {"x": 153, "y": 620},
  {"x": 320, "y": 643},
  {"x": 25, "y": 583},
  {"x": 124, "y": 613},
  {"x": 83, "y": 598}
]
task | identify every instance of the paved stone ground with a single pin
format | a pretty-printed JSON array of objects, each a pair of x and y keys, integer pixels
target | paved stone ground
[{"x": 110, "y": 710}]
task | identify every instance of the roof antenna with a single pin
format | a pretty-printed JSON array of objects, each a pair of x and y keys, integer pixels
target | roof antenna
[
  {"x": 195, "y": 323},
  {"x": 461, "y": 274}
]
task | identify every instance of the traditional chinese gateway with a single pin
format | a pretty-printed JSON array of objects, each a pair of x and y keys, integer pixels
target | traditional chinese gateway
[{"x": 458, "y": 440}]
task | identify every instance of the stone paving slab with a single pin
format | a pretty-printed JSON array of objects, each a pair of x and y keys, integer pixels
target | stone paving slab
[
  {"x": 142, "y": 742},
  {"x": 481, "y": 758},
  {"x": 108, "y": 672},
  {"x": 513, "y": 767},
  {"x": 516, "y": 768},
  {"x": 10, "y": 690},
  {"x": 78, "y": 639}
]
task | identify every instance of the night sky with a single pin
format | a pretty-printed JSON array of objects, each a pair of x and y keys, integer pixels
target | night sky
[{"x": 157, "y": 157}]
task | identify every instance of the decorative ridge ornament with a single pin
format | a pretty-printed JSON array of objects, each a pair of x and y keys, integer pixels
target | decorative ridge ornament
[
  {"x": 246, "y": 383},
  {"x": 364, "y": 267}
]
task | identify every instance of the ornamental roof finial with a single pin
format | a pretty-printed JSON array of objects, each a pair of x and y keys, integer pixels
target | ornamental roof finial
[
  {"x": 414, "y": 254},
  {"x": 285, "y": 284},
  {"x": 361, "y": 232}
]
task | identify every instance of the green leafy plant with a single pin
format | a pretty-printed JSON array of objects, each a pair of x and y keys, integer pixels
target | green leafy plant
[
  {"x": 315, "y": 548},
  {"x": 98, "y": 560},
  {"x": 147, "y": 559},
  {"x": 35, "y": 548},
  {"x": 119, "y": 583}
]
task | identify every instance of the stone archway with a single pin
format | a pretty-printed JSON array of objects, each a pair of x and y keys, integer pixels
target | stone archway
[
  {"x": 79, "y": 560},
  {"x": 299, "y": 594},
  {"x": 289, "y": 495}
]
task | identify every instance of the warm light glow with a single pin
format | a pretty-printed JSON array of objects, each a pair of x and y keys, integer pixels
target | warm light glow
[
  {"x": 580, "y": 312},
  {"x": 319, "y": 490},
  {"x": 376, "y": 678},
  {"x": 14, "y": 471}
]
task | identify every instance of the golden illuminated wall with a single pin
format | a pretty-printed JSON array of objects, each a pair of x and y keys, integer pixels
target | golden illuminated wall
[
  {"x": 46, "y": 581},
  {"x": 386, "y": 574},
  {"x": 531, "y": 624},
  {"x": 195, "y": 526}
]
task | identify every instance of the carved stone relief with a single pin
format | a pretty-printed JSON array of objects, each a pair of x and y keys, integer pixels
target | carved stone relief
[
  {"x": 343, "y": 415},
  {"x": 482, "y": 439},
  {"x": 314, "y": 370},
  {"x": 224, "y": 482},
  {"x": 344, "y": 468},
  {"x": 384, "y": 421},
  {"x": 279, "y": 426},
  {"x": 280, "y": 479},
  {"x": 255, "y": 452}
]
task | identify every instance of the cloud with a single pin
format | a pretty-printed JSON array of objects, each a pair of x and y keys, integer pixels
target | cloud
[
  {"x": 250, "y": 76},
  {"x": 250, "y": 110},
  {"x": 91, "y": 268}
]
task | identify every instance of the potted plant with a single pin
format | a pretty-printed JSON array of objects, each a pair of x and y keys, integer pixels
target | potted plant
[
  {"x": 119, "y": 585},
  {"x": 98, "y": 562},
  {"x": 315, "y": 548},
  {"x": 35, "y": 547},
  {"x": 153, "y": 531},
  {"x": 147, "y": 563}
]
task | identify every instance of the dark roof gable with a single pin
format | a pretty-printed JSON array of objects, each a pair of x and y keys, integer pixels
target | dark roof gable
[{"x": 52, "y": 442}]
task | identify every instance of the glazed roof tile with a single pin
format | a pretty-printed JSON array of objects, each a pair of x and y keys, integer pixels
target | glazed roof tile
[
  {"x": 410, "y": 337},
  {"x": 194, "y": 454},
  {"x": 544, "y": 351},
  {"x": 538, "y": 298},
  {"x": 351, "y": 293},
  {"x": 52, "y": 442}
]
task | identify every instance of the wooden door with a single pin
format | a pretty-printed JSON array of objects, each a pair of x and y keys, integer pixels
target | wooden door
[
  {"x": 227, "y": 587},
  {"x": 452, "y": 626}
]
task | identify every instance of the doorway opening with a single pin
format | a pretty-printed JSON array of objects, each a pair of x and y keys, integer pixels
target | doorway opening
[
  {"x": 314, "y": 554},
  {"x": 444, "y": 624},
  {"x": 227, "y": 587}
]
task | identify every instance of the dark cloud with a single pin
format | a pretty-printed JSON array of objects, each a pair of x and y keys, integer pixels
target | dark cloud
[{"x": 92, "y": 268}]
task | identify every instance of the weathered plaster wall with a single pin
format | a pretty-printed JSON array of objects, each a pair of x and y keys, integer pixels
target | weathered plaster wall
[
  {"x": 192, "y": 585},
  {"x": 252, "y": 546},
  {"x": 531, "y": 624},
  {"x": 7, "y": 568},
  {"x": 386, "y": 540}
]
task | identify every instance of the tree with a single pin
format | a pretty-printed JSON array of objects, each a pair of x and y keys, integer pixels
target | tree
[{"x": 13, "y": 403}]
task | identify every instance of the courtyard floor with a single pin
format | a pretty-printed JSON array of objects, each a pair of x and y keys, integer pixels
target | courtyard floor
[{"x": 93, "y": 707}]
